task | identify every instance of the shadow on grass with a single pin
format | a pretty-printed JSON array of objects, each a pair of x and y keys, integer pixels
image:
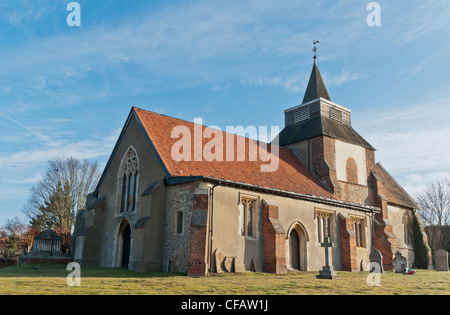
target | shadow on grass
[{"x": 59, "y": 270}]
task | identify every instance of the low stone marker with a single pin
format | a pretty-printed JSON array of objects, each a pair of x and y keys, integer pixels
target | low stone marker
[
  {"x": 400, "y": 263},
  {"x": 257, "y": 265},
  {"x": 376, "y": 257},
  {"x": 219, "y": 258},
  {"x": 239, "y": 266},
  {"x": 229, "y": 264},
  {"x": 441, "y": 260}
]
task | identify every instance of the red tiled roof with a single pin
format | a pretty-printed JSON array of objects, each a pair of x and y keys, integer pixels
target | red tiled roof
[
  {"x": 394, "y": 193},
  {"x": 291, "y": 175}
]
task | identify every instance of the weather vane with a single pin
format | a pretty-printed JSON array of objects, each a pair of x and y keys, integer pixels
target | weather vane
[{"x": 315, "y": 48}]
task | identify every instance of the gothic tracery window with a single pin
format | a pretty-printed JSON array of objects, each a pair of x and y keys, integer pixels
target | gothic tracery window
[
  {"x": 407, "y": 219},
  {"x": 324, "y": 226},
  {"x": 360, "y": 234},
  {"x": 247, "y": 215},
  {"x": 130, "y": 181}
]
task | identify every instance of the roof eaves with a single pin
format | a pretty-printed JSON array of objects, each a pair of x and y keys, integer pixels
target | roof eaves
[{"x": 175, "y": 180}]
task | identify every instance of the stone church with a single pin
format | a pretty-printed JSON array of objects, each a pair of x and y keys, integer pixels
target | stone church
[{"x": 153, "y": 212}]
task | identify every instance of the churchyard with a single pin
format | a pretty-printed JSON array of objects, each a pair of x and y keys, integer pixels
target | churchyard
[{"x": 51, "y": 279}]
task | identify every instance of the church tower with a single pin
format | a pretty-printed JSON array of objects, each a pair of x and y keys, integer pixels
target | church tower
[{"x": 319, "y": 131}]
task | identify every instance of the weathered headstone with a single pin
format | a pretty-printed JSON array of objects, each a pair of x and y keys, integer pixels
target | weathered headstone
[
  {"x": 376, "y": 257},
  {"x": 327, "y": 271},
  {"x": 219, "y": 258},
  {"x": 229, "y": 264},
  {"x": 257, "y": 265},
  {"x": 362, "y": 265},
  {"x": 441, "y": 260},
  {"x": 239, "y": 266},
  {"x": 400, "y": 263}
]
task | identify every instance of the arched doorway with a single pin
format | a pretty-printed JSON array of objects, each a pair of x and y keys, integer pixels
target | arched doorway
[
  {"x": 295, "y": 249},
  {"x": 297, "y": 237},
  {"x": 123, "y": 245},
  {"x": 126, "y": 246}
]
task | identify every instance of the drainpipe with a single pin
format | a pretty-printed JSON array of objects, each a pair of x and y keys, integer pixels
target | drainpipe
[
  {"x": 211, "y": 193},
  {"x": 373, "y": 231}
]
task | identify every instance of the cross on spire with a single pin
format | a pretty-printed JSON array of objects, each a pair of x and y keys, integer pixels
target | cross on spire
[{"x": 316, "y": 88}]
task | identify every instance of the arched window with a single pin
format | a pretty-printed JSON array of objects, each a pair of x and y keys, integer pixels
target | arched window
[
  {"x": 325, "y": 223},
  {"x": 407, "y": 226},
  {"x": 130, "y": 181},
  {"x": 248, "y": 209},
  {"x": 360, "y": 232},
  {"x": 180, "y": 220}
]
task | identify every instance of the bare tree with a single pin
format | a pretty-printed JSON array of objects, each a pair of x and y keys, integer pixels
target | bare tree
[
  {"x": 434, "y": 203},
  {"x": 13, "y": 232},
  {"x": 55, "y": 199}
]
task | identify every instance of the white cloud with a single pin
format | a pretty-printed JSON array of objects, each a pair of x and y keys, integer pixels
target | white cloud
[
  {"x": 412, "y": 141},
  {"x": 341, "y": 78}
]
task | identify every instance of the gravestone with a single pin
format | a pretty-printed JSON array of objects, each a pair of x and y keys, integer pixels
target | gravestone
[
  {"x": 327, "y": 271},
  {"x": 239, "y": 266},
  {"x": 362, "y": 265},
  {"x": 229, "y": 264},
  {"x": 257, "y": 265},
  {"x": 400, "y": 263},
  {"x": 441, "y": 260},
  {"x": 46, "y": 249},
  {"x": 219, "y": 258},
  {"x": 376, "y": 257}
]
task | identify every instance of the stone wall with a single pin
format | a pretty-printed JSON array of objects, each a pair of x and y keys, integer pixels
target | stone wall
[
  {"x": 354, "y": 193},
  {"x": 8, "y": 262},
  {"x": 176, "y": 249}
]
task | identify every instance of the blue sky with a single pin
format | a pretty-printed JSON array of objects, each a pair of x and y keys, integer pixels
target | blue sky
[{"x": 68, "y": 90}]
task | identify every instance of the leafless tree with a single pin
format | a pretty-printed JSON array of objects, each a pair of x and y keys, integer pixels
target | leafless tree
[
  {"x": 61, "y": 192},
  {"x": 434, "y": 203},
  {"x": 13, "y": 232}
]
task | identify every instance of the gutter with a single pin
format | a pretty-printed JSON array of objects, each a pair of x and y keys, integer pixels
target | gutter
[{"x": 174, "y": 180}]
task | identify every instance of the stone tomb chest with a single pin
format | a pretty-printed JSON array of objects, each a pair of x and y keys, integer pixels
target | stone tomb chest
[{"x": 46, "y": 249}]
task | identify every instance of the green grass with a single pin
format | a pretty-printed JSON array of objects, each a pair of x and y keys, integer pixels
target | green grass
[{"x": 51, "y": 279}]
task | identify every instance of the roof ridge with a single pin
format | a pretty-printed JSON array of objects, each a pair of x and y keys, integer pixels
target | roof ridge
[{"x": 223, "y": 131}]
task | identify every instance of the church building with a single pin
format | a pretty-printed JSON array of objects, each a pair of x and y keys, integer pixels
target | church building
[{"x": 154, "y": 210}]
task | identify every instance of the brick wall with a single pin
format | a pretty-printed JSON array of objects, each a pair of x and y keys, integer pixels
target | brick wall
[
  {"x": 351, "y": 171},
  {"x": 348, "y": 244},
  {"x": 8, "y": 262},
  {"x": 323, "y": 162},
  {"x": 274, "y": 241},
  {"x": 199, "y": 235}
]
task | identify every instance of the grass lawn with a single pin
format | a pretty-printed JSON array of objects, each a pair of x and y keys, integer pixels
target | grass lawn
[{"x": 51, "y": 279}]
